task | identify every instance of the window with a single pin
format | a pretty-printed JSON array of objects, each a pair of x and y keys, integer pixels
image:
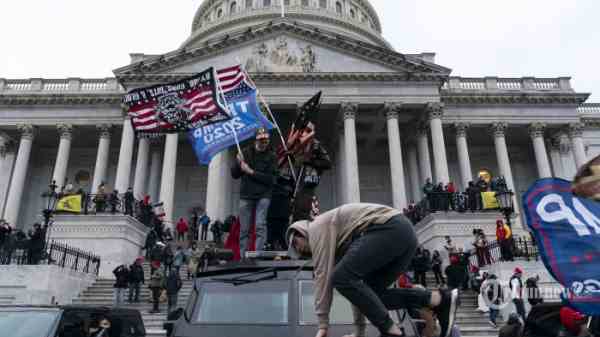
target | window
[
  {"x": 248, "y": 3},
  {"x": 28, "y": 323},
  {"x": 219, "y": 13},
  {"x": 341, "y": 311},
  {"x": 223, "y": 303},
  {"x": 323, "y": 3},
  {"x": 338, "y": 7},
  {"x": 266, "y": 3},
  {"x": 233, "y": 8}
]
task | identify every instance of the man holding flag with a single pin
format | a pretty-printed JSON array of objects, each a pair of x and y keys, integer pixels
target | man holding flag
[{"x": 257, "y": 169}]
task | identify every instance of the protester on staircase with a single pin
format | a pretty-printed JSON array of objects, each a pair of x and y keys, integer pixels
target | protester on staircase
[
  {"x": 436, "y": 267},
  {"x": 194, "y": 258},
  {"x": 257, "y": 169},
  {"x": 121, "y": 283},
  {"x": 491, "y": 290},
  {"x": 516, "y": 289},
  {"x": 113, "y": 201},
  {"x": 172, "y": 284},
  {"x": 193, "y": 231},
  {"x": 135, "y": 279},
  {"x": 178, "y": 259},
  {"x": 504, "y": 238},
  {"x": 156, "y": 256},
  {"x": 182, "y": 227},
  {"x": 168, "y": 259},
  {"x": 156, "y": 283},
  {"x": 204, "y": 223}
]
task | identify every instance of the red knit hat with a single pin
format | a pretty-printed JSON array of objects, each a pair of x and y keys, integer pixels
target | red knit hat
[
  {"x": 571, "y": 320},
  {"x": 518, "y": 271}
]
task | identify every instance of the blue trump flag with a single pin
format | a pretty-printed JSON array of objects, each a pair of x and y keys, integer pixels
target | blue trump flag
[
  {"x": 209, "y": 140},
  {"x": 567, "y": 232}
]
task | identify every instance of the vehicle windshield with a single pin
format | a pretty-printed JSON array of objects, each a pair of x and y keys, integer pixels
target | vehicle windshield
[
  {"x": 341, "y": 311},
  {"x": 265, "y": 302},
  {"x": 27, "y": 323}
]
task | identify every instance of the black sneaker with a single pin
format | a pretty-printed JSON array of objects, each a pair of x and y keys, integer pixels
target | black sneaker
[{"x": 446, "y": 311}]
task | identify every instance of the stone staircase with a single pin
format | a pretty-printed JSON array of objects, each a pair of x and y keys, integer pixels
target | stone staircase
[{"x": 101, "y": 294}]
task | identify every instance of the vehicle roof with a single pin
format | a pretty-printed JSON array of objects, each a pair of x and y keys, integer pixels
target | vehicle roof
[
  {"x": 248, "y": 266},
  {"x": 63, "y": 307}
]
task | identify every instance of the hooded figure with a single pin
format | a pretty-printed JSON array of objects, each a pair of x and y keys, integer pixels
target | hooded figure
[{"x": 360, "y": 250}]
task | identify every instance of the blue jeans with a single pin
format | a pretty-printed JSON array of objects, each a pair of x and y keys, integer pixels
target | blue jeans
[
  {"x": 493, "y": 314},
  {"x": 247, "y": 208}
]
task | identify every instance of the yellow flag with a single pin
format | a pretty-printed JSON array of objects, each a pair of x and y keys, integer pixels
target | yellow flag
[
  {"x": 489, "y": 200},
  {"x": 70, "y": 203}
]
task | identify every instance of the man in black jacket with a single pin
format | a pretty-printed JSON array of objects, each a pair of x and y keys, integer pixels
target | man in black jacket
[
  {"x": 136, "y": 279},
  {"x": 257, "y": 169},
  {"x": 122, "y": 275}
]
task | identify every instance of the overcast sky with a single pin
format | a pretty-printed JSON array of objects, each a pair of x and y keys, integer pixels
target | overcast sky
[{"x": 544, "y": 38}]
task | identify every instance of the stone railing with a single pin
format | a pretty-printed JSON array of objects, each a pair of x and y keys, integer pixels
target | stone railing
[
  {"x": 559, "y": 84},
  {"x": 60, "y": 85},
  {"x": 589, "y": 109}
]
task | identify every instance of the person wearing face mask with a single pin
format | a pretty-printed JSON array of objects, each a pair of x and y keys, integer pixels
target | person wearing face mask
[{"x": 257, "y": 169}]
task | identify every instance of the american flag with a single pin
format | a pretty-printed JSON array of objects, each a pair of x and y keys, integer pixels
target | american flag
[{"x": 183, "y": 105}]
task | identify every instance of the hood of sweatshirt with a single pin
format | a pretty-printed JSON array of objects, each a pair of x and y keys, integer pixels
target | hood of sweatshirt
[{"x": 302, "y": 228}]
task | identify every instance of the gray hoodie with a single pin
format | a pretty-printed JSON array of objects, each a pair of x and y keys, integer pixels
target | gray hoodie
[{"x": 326, "y": 236}]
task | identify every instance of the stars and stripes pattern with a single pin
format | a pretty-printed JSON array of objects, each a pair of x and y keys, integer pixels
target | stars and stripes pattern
[{"x": 201, "y": 103}]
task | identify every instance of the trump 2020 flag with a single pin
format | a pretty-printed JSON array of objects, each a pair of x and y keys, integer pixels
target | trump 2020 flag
[
  {"x": 567, "y": 232},
  {"x": 209, "y": 140},
  {"x": 178, "y": 106}
]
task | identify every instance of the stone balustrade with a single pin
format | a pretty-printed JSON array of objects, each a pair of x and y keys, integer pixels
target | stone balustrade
[
  {"x": 559, "y": 84},
  {"x": 59, "y": 85}
]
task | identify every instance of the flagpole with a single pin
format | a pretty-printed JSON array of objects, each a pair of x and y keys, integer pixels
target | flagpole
[
  {"x": 235, "y": 137},
  {"x": 264, "y": 102}
]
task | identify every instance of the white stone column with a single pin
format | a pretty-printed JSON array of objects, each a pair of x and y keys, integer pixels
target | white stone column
[
  {"x": 154, "y": 181},
  {"x": 102, "y": 156},
  {"x": 62, "y": 157},
  {"x": 341, "y": 168},
  {"x": 576, "y": 135},
  {"x": 424, "y": 156},
  {"x": 351, "y": 153},
  {"x": 536, "y": 132},
  {"x": 413, "y": 171},
  {"x": 167, "y": 182},
  {"x": 396, "y": 162},
  {"x": 440, "y": 161},
  {"x": 15, "y": 193},
  {"x": 216, "y": 188},
  {"x": 7, "y": 161},
  {"x": 499, "y": 130},
  {"x": 125, "y": 157},
  {"x": 568, "y": 167},
  {"x": 554, "y": 146},
  {"x": 141, "y": 168},
  {"x": 464, "y": 160}
]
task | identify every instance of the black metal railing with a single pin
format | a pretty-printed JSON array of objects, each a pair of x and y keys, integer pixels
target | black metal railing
[
  {"x": 111, "y": 204},
  {"x": 57, "y": 253},
  {"x": 514, "y": 249}
]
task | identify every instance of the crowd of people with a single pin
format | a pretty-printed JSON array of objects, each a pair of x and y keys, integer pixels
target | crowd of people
[
  {"x": 444, "y": 198},
  {"x": 19, "y": 247}
]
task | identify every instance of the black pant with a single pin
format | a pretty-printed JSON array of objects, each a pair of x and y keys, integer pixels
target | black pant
[
  {"x": 439, "y": 278},
  {"x": 134, "y": 291},
  {"x": 155, "y": 298},
  {"x": 204, "y": 233},
  {"x": 128, "y": 209},
  {"x": 420, "y": 278},
  {"x": 374, "y": 260},
  {"x": 520, "y": 307}
]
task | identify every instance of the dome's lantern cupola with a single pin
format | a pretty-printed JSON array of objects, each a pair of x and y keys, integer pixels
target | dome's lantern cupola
[{"x": 353, "y": 18}]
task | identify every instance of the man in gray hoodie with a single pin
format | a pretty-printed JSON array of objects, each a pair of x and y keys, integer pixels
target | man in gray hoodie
[{"x": 360, "y": 250}]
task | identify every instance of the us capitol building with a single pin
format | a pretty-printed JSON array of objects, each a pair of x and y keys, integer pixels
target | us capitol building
[{"x": 389, "y": 120}]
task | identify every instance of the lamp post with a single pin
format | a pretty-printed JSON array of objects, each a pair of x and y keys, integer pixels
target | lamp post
[
  {"x": 505, "y": 199},
  {"x": 52, "y": 198}
]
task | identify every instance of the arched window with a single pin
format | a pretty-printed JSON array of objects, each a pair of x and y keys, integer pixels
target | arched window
[
  {"x": 233, "y": 8},
  {"x": 266, "y": 3},
  {"x": 323, "y": 3},
  {"x": 338, "y": 7},
  {"x": 219, "y": 13},
  {"x": 304, "y": 3},
  {"x": 352, "y": 14},
  {"x": 248, "y": 3}
]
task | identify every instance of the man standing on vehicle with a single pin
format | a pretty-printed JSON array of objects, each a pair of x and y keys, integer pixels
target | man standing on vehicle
[
  {"x": 257, "y": 168},
  {"x": 360, "y": 250}
]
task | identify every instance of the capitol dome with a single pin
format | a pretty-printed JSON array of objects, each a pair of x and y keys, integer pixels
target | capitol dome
[{"x": 352, "y": 18}]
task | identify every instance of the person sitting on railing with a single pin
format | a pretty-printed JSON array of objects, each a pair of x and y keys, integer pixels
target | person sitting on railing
[
  {"x": 113, "y": 201},
  {"x": 100, "y": 199},
  {"x": 128, "y": 200}
]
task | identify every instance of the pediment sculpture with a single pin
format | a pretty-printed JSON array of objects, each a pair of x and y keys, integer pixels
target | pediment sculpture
[{"x": 279, "y": 55}]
